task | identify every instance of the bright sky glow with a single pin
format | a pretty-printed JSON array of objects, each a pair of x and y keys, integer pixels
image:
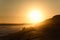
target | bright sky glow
[{"x": 35, "y": 16}]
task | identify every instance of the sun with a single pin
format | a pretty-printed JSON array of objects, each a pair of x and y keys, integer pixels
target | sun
[{"x": 35, "y": 16}]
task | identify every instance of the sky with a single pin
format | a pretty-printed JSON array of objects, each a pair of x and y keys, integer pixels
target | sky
[{"x": 15, "y": 11}]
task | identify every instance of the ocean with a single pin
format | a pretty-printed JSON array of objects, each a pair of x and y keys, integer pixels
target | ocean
[{"x": 6, "y": 29}]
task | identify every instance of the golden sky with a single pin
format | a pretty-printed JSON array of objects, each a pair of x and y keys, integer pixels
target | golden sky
[{"x": 15, "y": 11}]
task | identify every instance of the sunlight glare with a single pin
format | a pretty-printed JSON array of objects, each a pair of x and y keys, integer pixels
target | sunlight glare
[{"x": 35, "y": 16}]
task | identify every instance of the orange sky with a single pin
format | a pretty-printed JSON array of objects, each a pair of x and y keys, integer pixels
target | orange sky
[{"x": 16, "y": 11}]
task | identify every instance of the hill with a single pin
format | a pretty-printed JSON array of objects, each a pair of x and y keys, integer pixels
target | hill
[{"x": 47, "y": 30}]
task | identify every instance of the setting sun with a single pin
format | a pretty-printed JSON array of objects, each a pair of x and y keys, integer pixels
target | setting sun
[{"x": 35, "y": 16}]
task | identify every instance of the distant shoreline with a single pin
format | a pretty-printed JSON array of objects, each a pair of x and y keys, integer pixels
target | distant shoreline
[{"x": 12, "y": 24}]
